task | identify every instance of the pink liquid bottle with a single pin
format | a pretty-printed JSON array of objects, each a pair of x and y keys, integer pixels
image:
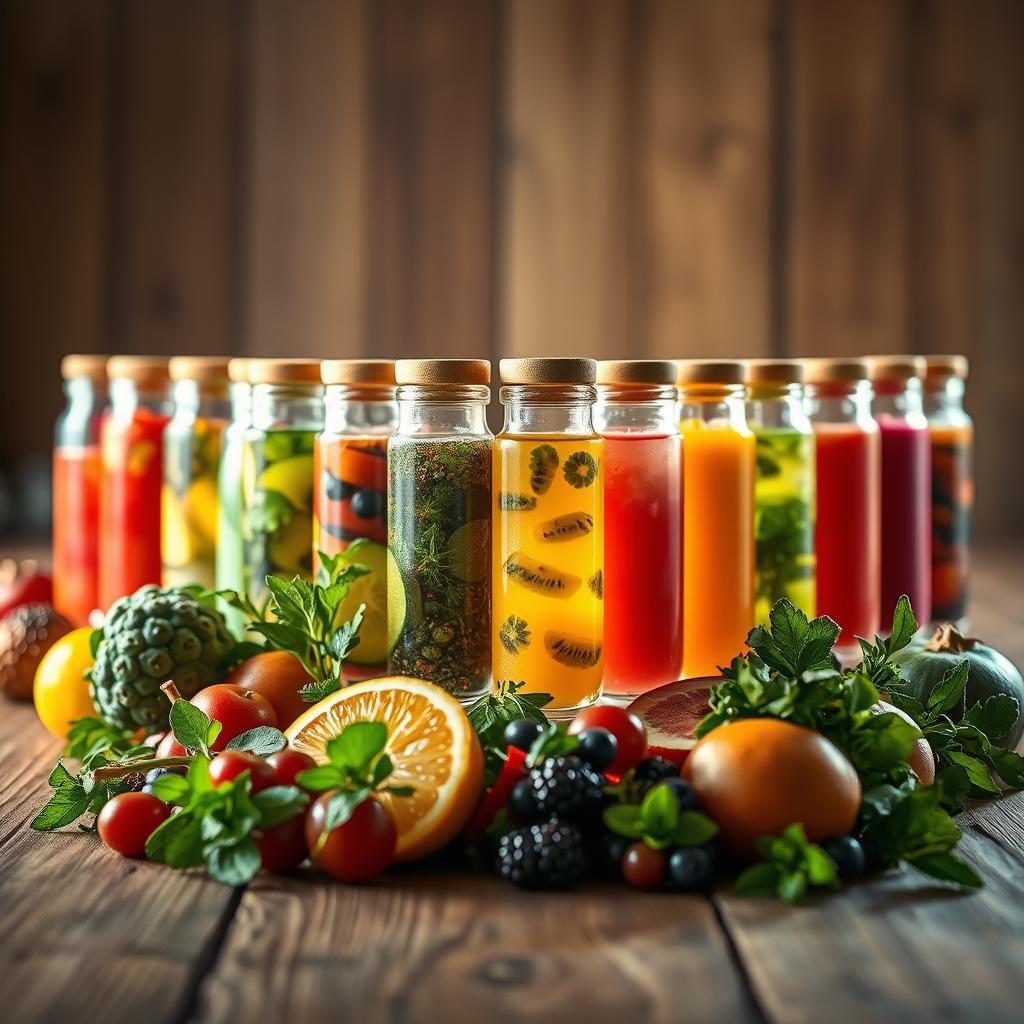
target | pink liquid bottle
[{"x": 906, "y": 482}]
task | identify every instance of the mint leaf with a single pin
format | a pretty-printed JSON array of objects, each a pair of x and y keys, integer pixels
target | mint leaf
[
  {"x": 66, "y": 804},
  {"x": 1009, "y": 765},
  {"x": 172, "y": 789},
  {"x": 177, "y": 842},
  {"x": 190, "y": 726},
  {"x": 624, "y": 820},
  {"x": 340, "y": 808},
  {"x": 321, "y": 778},
  {"x": 236, "y": 864},
  {"x": 278, "y": 804},
  {"x": 262, "y": 741},
  {"x": 659, "y": 815},
  {"x": 904, "y": 626},
  {"x": 760, "y": 880},
  {"x": 977, "y": 771},
  {"x": 357, "y": 745},
  {"x": 948, "y": 693},
  {"x": 790, "y": 629},
  {"x": 693, "y": 829},
  {"x": 313, "y": 693},
  {"x": 996, "y": 717},
  {"x": 948, "y": 868}
]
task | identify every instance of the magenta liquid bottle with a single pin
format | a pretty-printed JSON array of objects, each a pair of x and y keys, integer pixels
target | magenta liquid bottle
[{"x": 906, "y": 483}]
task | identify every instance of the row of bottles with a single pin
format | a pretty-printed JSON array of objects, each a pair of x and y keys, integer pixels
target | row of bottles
[{"x": 630, "y": 524}]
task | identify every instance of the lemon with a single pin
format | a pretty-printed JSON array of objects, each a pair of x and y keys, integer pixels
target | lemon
[
  {"x": 60, "y": 690},
  {"x": 292, "y": 477}
]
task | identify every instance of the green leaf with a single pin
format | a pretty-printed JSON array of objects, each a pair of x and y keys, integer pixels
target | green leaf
[
  {"x": 977, "y": 771},
  {"x": 996, "y": 717},
  {"x": 284, "y": 636},
  {"x": 792, "y": 886},
  {"x": 382, "y": 769},
  {"x": 1010, "y": 766},
  {"x": 790, "y": 628},
  {"x": 624, "y": 820},
  {"x": 190, "y": 726},
  {"x": 357, "y": 745},
  {"x": 60, "y": 776},
  {"x": 760, "y": 880},
  {"x": 341, "y": 807},
  {"x": 177, "y": 842},
  {"x": 948, "y": 868},
  {"x": 288, "y": 602},
  {"x": 95, "y": 639},
  {"x": 908, "y": 705},
  {"x": 90, "y": 735},
  {"x": 345, "y": 638},
  {"x": 172, "y": 789},
  {"x": 948, "y": 693},
  {"x": 313, "y": 693},
  {"x": 262, "y": 741},
  {"x": 694, "y": 829},
  {"x": 278, "y": 804},
  {"x": 659, "y": 814},
  {"x": 821, "y": 869},
  {"x": 904, "y": 626},
  {"x": 236, "y": 864},
  {"x": 199, "y": 775},
  {"x": 66, "y": 804},
  {"x": 321, "y": 778},
  {"x": 882, "y": 741}
]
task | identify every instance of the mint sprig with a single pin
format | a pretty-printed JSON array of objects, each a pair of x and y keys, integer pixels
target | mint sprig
[
  {"x": 658, "y": 821},
  {"x": 493, "y": 711},
  {"x": 792, "y": 867}
]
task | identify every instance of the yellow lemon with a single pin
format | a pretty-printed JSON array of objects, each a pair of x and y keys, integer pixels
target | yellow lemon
[{"x": 61, "y": 691}]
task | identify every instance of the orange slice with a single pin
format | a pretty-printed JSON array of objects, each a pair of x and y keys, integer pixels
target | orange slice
[{"x": 433, "y": 748}]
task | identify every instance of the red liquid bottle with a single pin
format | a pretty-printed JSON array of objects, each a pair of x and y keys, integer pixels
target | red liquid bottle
[
  {"x": 132, "y": 477},
  {"x": 906, "y": 483},
  {"x": 643, "y": 541},
  {"x": 848, "y": 532},
  {"x": 76, "y": 488}
]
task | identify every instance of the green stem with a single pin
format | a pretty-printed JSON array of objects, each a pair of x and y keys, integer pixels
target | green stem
[{"x": 118, "y": 771}]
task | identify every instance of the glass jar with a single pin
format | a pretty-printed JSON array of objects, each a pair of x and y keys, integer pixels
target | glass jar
[
  {"x": 898, "y": 408},
  {"x": 848, "y": 534},
  {"x": 783, "y": 486},
  {"x": 277, "y": 471},
  {"x": 718, "y": 514},
  {"x": 439, "y": 525},
  {"x": 952, "y": 453},
  {"x": 549, "y": 532},
  {"x": 230, "y": 558},
  {"x": 192, "y": 450},
  {"x": 351, "y": 496},
  {"x": 133, "y": 460},
  {"x": 76, "y": 488},
  {"x": 643, "y": 525}
]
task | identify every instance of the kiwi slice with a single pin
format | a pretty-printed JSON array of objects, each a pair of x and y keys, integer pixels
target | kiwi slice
[
  {"x": 572, "y": 651},
  {"x": 514, "y": 634},
  {"x": 580, "y": 469},
  {"x": 516, "y": 502},
  {"x": 543, "y": 463},
  {"x": 568, "y": 527},
  {"x": 540, "y": 578},
  {"x": 596, "y": 584}
]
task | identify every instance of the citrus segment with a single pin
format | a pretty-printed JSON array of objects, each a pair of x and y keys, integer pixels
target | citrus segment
[
  {"x": 430, "y": 742},
  {"x": 370, "y": 590},
  {"x": 397, "y": 602}
]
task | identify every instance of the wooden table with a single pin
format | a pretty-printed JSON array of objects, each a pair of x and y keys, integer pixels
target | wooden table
[{"x": 88, "y": 936}]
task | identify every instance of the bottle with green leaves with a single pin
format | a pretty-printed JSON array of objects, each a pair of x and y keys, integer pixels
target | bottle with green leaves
[{"x": 784, "y": 489}]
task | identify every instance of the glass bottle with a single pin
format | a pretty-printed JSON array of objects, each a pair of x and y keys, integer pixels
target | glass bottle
[
  {"x": 643, "y": 525},
  {"x": 952, "y": 442},
  {"x": 898, "y": 407},
  {"x": 277, "y": 471},
  {"x": 439, "y": 525},
  {"x": 76, "y": 488},
  {"x": 132, "y": 443},
  {"x": 549, "y": 532},
  {"x": 351, "y": 495},
  {"x": 783, "y": 486},
  {"x": 230, "y": 558},
  {"x": 718, "y": 514},
  {"x": 848, "y": 534},
  {"x": 192, "y": 450}
]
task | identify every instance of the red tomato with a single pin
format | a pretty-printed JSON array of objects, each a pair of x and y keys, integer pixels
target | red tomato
[
  {"x": 231, "y": 763},
  {"x": 170, "y": 747},
  {"x": 283, "y": 847},
  {"x": 287, "y": 764},
  {"x": 644, "y": 867},
  {"x": 629, "y": 732},
  {"x": 358, "y": 850},
  {"x": 496, "y": 797},
  {"x": 237, "y": 709},
  {"x": 128, "y": 820}
]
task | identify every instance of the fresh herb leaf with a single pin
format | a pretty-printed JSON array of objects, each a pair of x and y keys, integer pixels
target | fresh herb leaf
[
  {"x": 658, "y": 821},
  {"x": 792, "y": 867},
  {"x": 236, "y": 864},
  {"x": 191, "y": 727},
  {"x": 278, "y": 804},
  {"x": 262, "y": 741},
  {"x": 358, "y": 745},
  {"x": 313, "y": 693},
  {"x": 493, "y": 711}
]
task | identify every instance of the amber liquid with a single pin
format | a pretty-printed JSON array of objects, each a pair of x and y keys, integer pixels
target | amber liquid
[{"x": 952, "y": 501}]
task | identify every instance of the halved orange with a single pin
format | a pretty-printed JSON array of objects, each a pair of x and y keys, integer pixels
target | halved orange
[{"x": 431, "y": 743}]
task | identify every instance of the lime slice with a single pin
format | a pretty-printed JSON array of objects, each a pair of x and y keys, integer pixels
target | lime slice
[
  {"x": 372, "y": 591},
  {"x": 469, "y": 551},
  {"x": 397, "y": 602}
]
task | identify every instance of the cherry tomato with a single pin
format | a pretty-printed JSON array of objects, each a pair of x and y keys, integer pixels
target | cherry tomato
[
  {"x": 278, "y": 676},
  {"x": 358, "y": 850},
  {"x": 231, "y": 763},
  {"x": 128, "y": 820},
  {"x": 283, "y": 847},
  {"x": 629, "y": 732},
  {"x": 287, "y": 764},
  {"x": 237, "y": 709},
  {"x": 170, "y": 747},
  {"x": 644, "y": 867}
]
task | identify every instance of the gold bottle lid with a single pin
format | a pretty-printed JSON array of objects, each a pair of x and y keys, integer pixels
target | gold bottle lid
[
  {"x": 823, "y": 370},
  {"x": 774, "y": 371},
  {"x": 81, "y": 364},
  {"x": 896, "y": 367},
  {"x": 637, "y": 371},
  {"x": 710, "y": 371},
  {"x": 201, "y": 369},
  {"x": 284, "y": 371},
  {"x": 543, "y": 370},
  {"x": 238, "y": 370},
  {"x": 367, "y": 373},
  {"x": 146, "y": 371},
  {"x": 942, "y": 366},
  {"x": 442, "y": 371}
]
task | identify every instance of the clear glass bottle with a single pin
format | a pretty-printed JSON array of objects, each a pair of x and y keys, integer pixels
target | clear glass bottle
[
  {"x": 783, "y": 486},
  {"x": 848, "y": 532},
  {"x": 76, "y": 488},
  {"x": 643, "y": 524},
  {"x": 192, "y": 450},
  {"x": 277, "y": 471},
  {"x": 439, "y": 525},
  {"x": 898, "y": 407},
  {"x": 230, "y": 558},
  {"x": 351, "y": 496},
  {"x": 718, "y": 514},
  {"x": 549, "y": 532},
  {"x": 951, "y": 431},
  {"x": 133, "y": 460}
]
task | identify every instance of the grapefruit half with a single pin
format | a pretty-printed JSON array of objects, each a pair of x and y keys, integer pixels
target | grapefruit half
[{"x": 671, "y": 713}]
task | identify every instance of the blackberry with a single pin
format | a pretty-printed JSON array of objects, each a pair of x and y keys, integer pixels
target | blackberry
[
  {"x": 566, "y": 787},
  {"x": 655, "y": 769},
  {"x": 546, "y": 856}
]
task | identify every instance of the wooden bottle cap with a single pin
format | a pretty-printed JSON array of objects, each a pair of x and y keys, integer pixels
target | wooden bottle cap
[
  {"x": 942, "y": 366},
  {"x": 637, "y": 371},
  {"x": 543, "y": 370},
  {"x": 146, "y": 371},
  {"x": 710, "y": 371},
  {"x": 85, "y": 365},
  {"x": 896, "y": 367},
  {"x": 828, "y": 370},
  {"x": 238, "y": 370},
  {"x": 367, "y": 373},
  {"x": 774, "y": 371},
  {"x": 284, "y": 371},
  {"x": 201, "y": 369},
  {"x": 442, "y": 371}
]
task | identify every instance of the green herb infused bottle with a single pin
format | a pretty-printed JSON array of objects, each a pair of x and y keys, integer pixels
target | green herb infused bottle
[
  {"x": 784, "y": 490},
  {"x": 439, "y": 525},
  {"x": 277, "y": 471}
]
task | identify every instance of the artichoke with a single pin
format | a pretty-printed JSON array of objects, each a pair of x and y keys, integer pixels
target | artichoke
[{"x": 148, "y": 638}]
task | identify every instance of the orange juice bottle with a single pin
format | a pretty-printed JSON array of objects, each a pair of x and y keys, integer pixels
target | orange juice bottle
[
  {"x": 718, "y": 514},
  {"x": 549, "y": 532}
]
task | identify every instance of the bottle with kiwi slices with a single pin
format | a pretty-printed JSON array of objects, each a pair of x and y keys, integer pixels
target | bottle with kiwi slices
[
  {"x": 277, "y": 471},
  {"x": 439, "y": 525},
  {"x": 548, "y": 562}
]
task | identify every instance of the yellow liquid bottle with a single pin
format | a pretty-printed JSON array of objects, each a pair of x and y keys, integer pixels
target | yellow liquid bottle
[{"x": 549, "y": 533}]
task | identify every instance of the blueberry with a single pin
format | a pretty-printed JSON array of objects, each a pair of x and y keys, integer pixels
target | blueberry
[
  {"x": 155, "y": 773},
  {"x": 613, "y": 849},
  {"x": 367, "y": 504},
  {"x": 520, "y": 801},
  {"x": 848, "y": 856},
  {"x": 692, "y": 868},
  {"x": 683, "y": 791},
  {"x": 654, "y": 769},
  {"x": 521, "y": 733},
  {"x": 598, "y": 747},
  {"x": 334, "y": 488}
]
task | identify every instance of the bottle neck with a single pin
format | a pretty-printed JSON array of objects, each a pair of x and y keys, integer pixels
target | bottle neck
[
  {"x": 636, "y": 409},
  {"x": 241, "y": 402},
  {"x": 778, "y": 407},
  {"x": 840, "y": 402},
  {"x": 944, "y": 400},
  {"x": 549, "y": 409},
  {"x": 723, "y": 405},
  {"x": 288, "y": 407},
  {"x": 79, "y": 422},
  {"x": 899, "y": 399},
  {"x": 350, "y": 410},
  {"x": 192, "y": 400},
  {"x": 443, "y": 409},
  {"x": 126, "y": 397}
]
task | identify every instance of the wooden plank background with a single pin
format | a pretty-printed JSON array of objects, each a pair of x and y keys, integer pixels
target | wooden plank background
[{"x": 655, "y": 177}]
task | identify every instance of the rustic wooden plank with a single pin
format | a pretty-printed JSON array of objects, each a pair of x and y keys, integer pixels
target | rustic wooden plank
[
  {"x": 704, "y": 182},
  {"x": 847, "y": 276},
  {"x": 174, "y": 166},
  {"x": 27, "y": 753},
  {"x": 305, "y": 178},
  {"x": 53, "y": 195},
  {"x": 566, "y": 178},
  {"x": 430, "y": 229}
]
